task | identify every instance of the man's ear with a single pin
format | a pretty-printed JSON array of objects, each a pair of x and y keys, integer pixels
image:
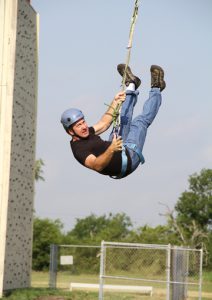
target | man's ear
[{"x": 70, "y": 131}]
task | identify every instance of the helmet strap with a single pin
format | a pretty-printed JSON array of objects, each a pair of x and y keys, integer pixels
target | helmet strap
[{"x": 76, "y": 135}]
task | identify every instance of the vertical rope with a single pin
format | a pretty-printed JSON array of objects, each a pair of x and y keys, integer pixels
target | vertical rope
[
  {"x": 129, "y": 46},
  {"x": 117, "y": 121}
]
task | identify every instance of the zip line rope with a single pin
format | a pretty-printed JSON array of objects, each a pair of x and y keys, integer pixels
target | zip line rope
[
  {"x": 117, "y": 111},
  {"x": 129, "y": 47}
]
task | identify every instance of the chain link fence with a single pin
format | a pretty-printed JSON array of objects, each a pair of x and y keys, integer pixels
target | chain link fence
[
  {"x": 118, "y": 271},
  {"x": 70, "y": 264},
  {"x": 161, "y": 271}
]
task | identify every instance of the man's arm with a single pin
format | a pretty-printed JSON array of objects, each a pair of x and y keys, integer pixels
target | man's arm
[
  {"x": 100, "y": 162},
  {"x": 107, "y": 118}
]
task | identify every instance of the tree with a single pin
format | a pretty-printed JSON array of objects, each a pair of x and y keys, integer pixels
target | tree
[
  {"x": 161, "y": 234},
  {"x": 191, "y": 218},
  {"x": 88, "y": 228},
  {"x": 93, "y": 229},
  {"x": 117, "y": 229},
  {"x": 195, "y": 205},
  {"x": 38, "y": 170},
  {"x": 46, "y": 232}
]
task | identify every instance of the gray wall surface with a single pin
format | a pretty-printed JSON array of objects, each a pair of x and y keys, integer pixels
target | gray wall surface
[{"x": 18, "y": 110}]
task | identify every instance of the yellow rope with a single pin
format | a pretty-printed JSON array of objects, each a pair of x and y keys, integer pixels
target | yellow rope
[
  {"x": 129, "y": 47},
  {"x": 117, "y": 119}
]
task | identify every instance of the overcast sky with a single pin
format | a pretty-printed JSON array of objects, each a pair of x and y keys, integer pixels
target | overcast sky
[{"x": 81, "y": 42}]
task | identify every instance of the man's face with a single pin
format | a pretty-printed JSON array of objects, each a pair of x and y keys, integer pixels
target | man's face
[{"x": 80, "y": 129}]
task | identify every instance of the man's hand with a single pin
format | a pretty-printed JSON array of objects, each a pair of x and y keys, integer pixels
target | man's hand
[
  {"x": 100, "y": 162},
  {"x": 107, "y": 118},
  {"x": 116, "y": 144},
  {"x": 120, "y": 97}
]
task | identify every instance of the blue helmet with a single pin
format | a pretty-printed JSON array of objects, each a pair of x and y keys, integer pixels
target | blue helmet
[{"x": 70, "y": 116}]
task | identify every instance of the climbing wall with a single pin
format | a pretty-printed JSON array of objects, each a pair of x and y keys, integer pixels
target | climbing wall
[{"x": 18, "y": 101}]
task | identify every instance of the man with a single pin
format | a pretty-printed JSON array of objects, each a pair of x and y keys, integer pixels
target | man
[{"x": 122, "y": 154}]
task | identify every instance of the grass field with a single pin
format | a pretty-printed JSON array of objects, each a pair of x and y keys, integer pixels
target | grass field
[
  {"x": 40, "y": 288},
  {"x": 64, "y": 279}
]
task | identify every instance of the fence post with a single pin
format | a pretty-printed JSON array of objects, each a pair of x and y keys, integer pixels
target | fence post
[
  {"x": 200, "y": 274},
  {"x": 53, "y": 266},
  {"x": 101, "y": 278},
  {"x": 179, "y": 272},
  {"x": 168, "y": 267}
]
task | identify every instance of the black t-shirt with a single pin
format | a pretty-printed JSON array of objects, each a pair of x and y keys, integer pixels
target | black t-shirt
[{"x": 93, "y": 144}]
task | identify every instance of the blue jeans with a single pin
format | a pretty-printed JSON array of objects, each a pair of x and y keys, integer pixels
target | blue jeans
[{"x": 133, "y": 131}]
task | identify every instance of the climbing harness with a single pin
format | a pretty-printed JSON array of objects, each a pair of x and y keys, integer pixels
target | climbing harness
[
  {"x": 134, "y": 148},
  {"x": 123, "y": 165}
]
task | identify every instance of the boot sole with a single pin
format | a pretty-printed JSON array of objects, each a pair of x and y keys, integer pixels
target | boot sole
[
  {"x": 161, "y": 75},
  {"x": 155, "y": 67},
  {"x": 130, "y": 77}
]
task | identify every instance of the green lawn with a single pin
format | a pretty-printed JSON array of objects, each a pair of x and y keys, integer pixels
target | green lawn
[
  {"x": 64, "y": 278},
  {"x": 40, "y": 288},
  {"x": 35, "y": 293}
]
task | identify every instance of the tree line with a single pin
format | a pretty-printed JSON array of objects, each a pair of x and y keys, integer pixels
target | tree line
[{"x": 188, "y": 224}]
